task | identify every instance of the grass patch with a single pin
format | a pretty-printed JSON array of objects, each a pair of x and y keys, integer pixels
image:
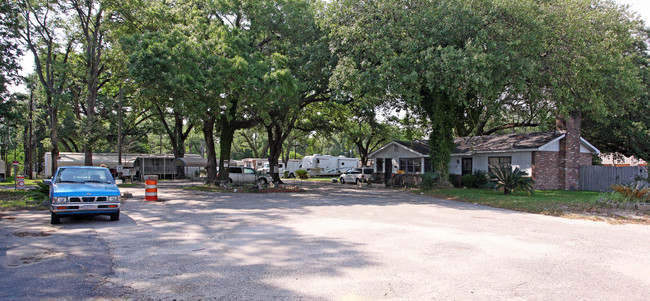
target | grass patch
[
  {"x": 551, "y": 202},
  {"x": 10, "y": 182},
  {"x": 15, "y": 200}
]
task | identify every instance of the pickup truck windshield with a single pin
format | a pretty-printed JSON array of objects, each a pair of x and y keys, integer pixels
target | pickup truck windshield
[{"x": 83, "y": 175}]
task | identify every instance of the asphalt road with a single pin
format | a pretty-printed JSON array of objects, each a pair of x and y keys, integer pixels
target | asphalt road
[{"x": 333, "y": 242}]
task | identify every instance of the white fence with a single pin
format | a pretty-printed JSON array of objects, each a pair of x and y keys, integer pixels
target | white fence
[{"x": 599, "y": 178}]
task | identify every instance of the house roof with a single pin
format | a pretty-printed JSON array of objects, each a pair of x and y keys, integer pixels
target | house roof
[
  {"x": 491, "y": 143},
  {"x": 504, "y": 142},
  {"x": 421, "y": 147}
]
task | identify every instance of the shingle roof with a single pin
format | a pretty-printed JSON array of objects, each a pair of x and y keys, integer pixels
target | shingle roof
[
  {"x": 504, "y": 142},
  {"x": 421, "y": 147},
  {"x": 490, "y": 143}
]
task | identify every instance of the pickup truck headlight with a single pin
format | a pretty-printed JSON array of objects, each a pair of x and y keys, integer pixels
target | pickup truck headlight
[
  {"x": 113, "y": 198},
  {"x": 60, "y": 199}
]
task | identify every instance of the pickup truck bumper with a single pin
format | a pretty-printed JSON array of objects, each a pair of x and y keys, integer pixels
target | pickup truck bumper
[{"x": 70, "y": 209}]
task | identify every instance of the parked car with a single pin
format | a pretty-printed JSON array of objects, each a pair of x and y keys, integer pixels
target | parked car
[
  {"x": 241, "y": 174},
  {"x": 83, "y": 190},
  {"x": 356, "y": 175}
]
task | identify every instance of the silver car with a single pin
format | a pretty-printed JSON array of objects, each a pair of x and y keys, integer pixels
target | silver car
[
  {"x": 241, "y": 174},
  {"x": 356, "y": 175}
]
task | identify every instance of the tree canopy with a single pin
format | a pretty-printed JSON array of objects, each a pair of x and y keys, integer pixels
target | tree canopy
[{"x": 251, "y": 77}]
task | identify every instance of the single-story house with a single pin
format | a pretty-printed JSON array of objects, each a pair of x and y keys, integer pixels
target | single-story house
[
  {"x": 255, "y": 163},
  {"x": 619, "y": 160},
  {"x": 551, "y": 158}
]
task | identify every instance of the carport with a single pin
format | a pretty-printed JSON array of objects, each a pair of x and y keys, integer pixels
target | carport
[{"x": 189, "y": 165}]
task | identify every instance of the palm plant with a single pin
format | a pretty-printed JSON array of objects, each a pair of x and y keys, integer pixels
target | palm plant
[
  {"x": 510, "y": 180},
  {"x": 633, "y": 191},
  {"x": 40, "y": 193}
]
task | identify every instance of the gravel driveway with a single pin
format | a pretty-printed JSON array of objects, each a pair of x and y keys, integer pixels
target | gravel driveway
[{"x": 332, "y": 242}]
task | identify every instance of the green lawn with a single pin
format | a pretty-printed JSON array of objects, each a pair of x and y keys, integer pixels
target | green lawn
[
  {"x": 10, "y": 182},
  {"x": 13, "y": 200},
  {"x": 552, "y": 202}
]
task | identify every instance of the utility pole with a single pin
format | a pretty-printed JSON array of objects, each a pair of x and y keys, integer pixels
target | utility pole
[
  {"x": 119, "y": 130},
  {"x": 28, "y": 155}
]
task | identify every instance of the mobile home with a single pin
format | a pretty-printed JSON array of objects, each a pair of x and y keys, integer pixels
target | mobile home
[{"x": 326, "y": 165}]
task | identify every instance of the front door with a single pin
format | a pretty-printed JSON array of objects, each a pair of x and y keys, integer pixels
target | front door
[
  {"x": 388, "y": 169},
  {"x": 467, "y": 166}
]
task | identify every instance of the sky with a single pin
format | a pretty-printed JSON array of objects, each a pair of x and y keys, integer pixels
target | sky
[{"x": 642, "y": 7}]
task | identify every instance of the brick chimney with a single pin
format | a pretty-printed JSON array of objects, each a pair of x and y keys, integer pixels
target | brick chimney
[{"x": 570, "y": 152}]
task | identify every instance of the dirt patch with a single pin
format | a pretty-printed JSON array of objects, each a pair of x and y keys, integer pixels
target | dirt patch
[
  {"x": 10, "y": 196},
  {"x": 611, "y": 215},
  {"x": 32, "y": 234}
]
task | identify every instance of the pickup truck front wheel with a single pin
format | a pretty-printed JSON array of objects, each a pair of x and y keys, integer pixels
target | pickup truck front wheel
[
  {"x": 115, "y": 216},
  {"x": 54, "y": 219}
]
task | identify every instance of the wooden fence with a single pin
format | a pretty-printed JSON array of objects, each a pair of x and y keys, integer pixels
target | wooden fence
[{"x": 599, "y": 178}]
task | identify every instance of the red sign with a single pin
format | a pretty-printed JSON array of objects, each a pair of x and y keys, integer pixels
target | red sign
[{"x": 15, "y": 162}]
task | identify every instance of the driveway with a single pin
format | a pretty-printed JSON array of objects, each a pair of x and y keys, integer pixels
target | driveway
[{"x": 332, "y": 242}]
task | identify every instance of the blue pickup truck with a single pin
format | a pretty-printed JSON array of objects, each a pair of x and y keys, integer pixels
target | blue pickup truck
[{"x": 83, "y": 190}]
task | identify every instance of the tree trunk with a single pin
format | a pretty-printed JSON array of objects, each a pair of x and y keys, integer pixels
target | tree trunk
[
  {"x": 54, "y": 137},
  {"x": 208, "y": 134},
  {"x": 179, "y": 146},
  {"x": 225, "y": 144},
  {"x": 29, "y": 146},
  {"x": 276, "y": 138},
  {"x": 226, "y": 138},
  {"x": 363, "y": 152}
]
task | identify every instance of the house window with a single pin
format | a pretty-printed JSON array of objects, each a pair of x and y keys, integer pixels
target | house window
[
  {"x": 428, "y": 167},
  {"x": 380, "y": 164},
  {"x": 411, "y": 165},
  {"x": 495, "y": 162}
]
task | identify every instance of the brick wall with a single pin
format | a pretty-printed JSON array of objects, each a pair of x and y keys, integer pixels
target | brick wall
[
  {"x": 545, "y": 170},
  {"x": 572, "y": 163},
  {"x": 561, "y": 165}
]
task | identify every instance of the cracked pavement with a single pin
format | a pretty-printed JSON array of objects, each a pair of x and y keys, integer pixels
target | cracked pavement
[{"x": 332, "y": 242}]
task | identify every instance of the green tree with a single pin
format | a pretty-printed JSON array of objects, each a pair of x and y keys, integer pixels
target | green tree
[
  {"x": 9, "y": 47},
  {"x": 625, "y": 128},
  {"x": 46, "y": 37},
  {"x": 464, "y": 63},
  {"x": 90, "y": 18}
]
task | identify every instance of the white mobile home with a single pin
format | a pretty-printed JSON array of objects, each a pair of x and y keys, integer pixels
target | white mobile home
[
  {"x": 326, "y": 165},
  {"x": 162, "y": 165}
]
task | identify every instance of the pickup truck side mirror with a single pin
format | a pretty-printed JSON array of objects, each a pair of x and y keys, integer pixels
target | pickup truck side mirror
[{"x": 47, "y": 182}]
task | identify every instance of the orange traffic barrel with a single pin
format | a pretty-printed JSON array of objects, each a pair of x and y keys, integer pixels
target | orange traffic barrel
[{"x": 150, "y": 188}]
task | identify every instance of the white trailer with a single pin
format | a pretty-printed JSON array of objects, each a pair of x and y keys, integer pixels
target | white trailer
[
  {"x": 291, "y": 166},
  {"x": 326, "y": 165}
]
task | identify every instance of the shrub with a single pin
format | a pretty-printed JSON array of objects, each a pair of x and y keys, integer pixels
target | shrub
[
  {"x": 481, "y": 178},
  {"x": 429, "y": 180},
  {"x": 613, "y": 197},
  {"x": 633, "y": 192},
  {"x": 39, "y": 193},
  {"x": 478, "y": 179},
  {"x": 285, "y": 174},
  {"x": 455, "y": 180},
  {"x": 510, "y": 180},
  {"x": 302, "y": 174},
  {"x": 468, "y": 181}
]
